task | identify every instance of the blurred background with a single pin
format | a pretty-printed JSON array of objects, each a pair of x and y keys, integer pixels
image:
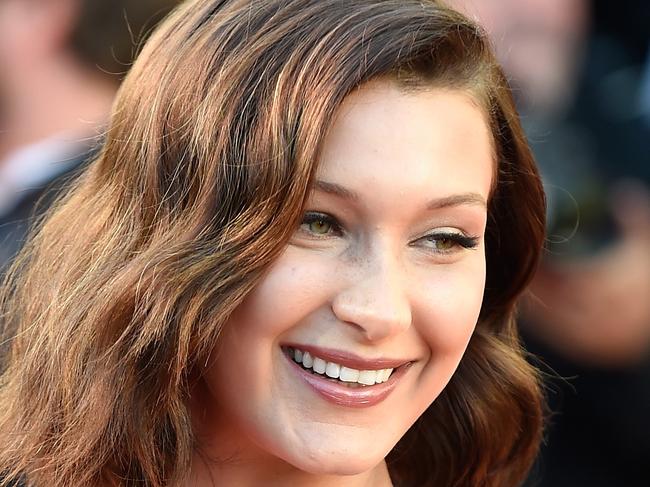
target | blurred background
[
  {"x": 580, "y": 70},
  {"x": 61, "y": 62},
  {"x": 581, "y": 74}
]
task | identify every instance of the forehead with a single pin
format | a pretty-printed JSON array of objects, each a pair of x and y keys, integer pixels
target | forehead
[{"x": 434, "y": 140}]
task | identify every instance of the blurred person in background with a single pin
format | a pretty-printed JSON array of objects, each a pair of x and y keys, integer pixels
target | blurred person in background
[
  {"x": 581, "y": 72},
  {"x": 60, "y": 66}
]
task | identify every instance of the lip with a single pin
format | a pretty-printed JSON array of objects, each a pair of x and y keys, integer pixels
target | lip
[
  {"x": 340, "y": 395},
  {"x": 348, "y": 359}
]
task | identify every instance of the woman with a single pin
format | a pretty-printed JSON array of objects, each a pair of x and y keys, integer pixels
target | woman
[{"x": 295, "y": 261}]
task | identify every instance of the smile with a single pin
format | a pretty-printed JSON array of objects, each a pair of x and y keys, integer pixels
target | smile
[
  {"x": 334, "y": 377},
  {"x": 333, "y": 370}
]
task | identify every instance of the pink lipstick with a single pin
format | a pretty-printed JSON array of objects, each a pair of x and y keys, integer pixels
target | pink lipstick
[
  {"x": 353, "y": 395},
  {"x": 349, "y": 359}
]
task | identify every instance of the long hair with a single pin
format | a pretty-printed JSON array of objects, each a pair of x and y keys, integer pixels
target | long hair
[{"x": 214, "y": 139}]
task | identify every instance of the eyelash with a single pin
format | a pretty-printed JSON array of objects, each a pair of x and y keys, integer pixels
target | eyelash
[{"x": 457, "y": 239}]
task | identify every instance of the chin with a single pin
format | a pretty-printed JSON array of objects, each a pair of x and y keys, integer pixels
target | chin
[
  {"x": 347, "y": 466},
  {"x": 342, "y": 462}
]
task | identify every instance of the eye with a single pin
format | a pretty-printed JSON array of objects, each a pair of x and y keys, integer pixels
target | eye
[
  {"x": 447, "y": 242},
  {"x": 317, "y": 225}
]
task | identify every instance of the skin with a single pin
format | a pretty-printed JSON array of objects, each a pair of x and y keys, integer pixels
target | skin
[{"x": 374, "y": 284}]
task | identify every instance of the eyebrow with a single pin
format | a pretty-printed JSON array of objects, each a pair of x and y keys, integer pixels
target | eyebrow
[{"x": 471, "y": 199}]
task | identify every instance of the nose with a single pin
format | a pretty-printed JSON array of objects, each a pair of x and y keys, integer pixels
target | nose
[{"x": 375, "y": 300}]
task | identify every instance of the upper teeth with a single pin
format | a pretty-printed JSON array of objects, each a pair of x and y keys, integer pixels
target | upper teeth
[{"x": 336, "y": 371}]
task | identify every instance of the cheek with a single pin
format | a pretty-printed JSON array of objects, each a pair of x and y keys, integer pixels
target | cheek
[
  {"x": 448, "y": 307},
  {"x": 294, "y": 287},
  {"x": 449, "y": 304}
]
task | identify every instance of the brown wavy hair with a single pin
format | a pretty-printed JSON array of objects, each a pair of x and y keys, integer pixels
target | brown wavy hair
[{"x": 214, "y": 139}]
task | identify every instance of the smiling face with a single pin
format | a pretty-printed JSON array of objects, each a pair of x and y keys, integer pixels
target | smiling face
[{"x": 386, "y": 271}]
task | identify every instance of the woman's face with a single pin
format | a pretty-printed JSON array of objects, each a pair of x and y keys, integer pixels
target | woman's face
[{"x": 385, "y": 275}]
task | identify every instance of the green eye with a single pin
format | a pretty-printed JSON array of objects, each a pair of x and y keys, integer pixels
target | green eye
[
  {"x": 319, "y": 225},
  {"x": 443, "y": 243},
  {"x": 448, "y": 242}
]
